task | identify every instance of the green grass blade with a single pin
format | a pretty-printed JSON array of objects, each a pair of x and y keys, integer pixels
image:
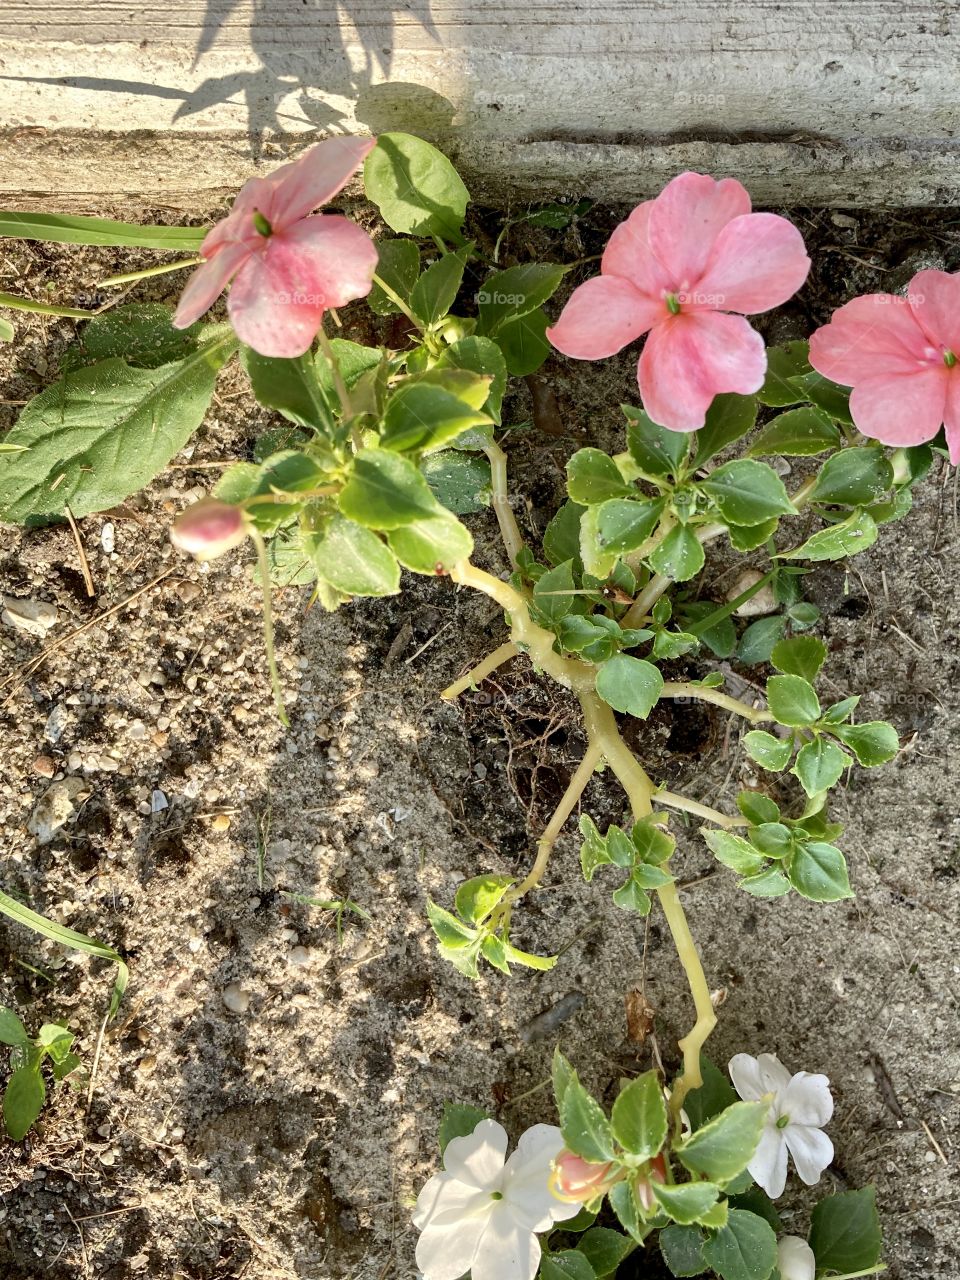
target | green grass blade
[
  {"x": 64, "y": 229},
  {"x": 17, "y": 912},
  {"x": 43, "y": 308},
  {"x": 7, "y": 333}
]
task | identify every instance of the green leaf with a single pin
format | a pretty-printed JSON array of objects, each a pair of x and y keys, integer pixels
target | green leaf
[
  {"x": 415, "y": 187},
  {"x": 845, "y": 1232},
  {"x": 756, "y": 1201},
  {"x": 655, "y": 450},
  {"x": 386, "y": 491},
  {"x": 604, "y": 1249},
  {"x": 874, "y": 742},
  {"x": 139, "y": 333},
  {"x": 629, "y": 685},
  {"x": 398, "y": 267},
  {"x": 542, "y": 963},
  {"x": 623, "y": 524},
  {"x": 507, "y": 295},
  {"x": 7, "y": 334},
  {"x": 819, "y": 765},
  {"x": 59, "y": 228},
  {"x": 854, "y": 477},
  {"x": 748, "y": 539},
  {"x": 729, "y": 418},
  {"x": 771, "y": 883},
  {"x": 23, "y": 1101},
  {"x": 562, "y": 1075},
  {"x": 726, "y": 1144},
  {"x": 624, "y": 1204},
  {"x": 593, "y": 476},
  {"x": 682, "y": 1249},
  {"x": 792, "y": 700},
  {"x": 799, "y": 433},
  {"x": 680, "y": 556},
  {"x": 800, "y": 656},
  {"x": 653, "y": 845},
  {"x": 734, "y": 852},
  {"x": 856, "y": 533},
  {"x": 594, "y": 852},
  {"x": 720, "y": 636},
  {"x": 569, "y": 1264},
  {"x": 450, "y": 931},
  {"x": 436, "y": 291},
  {"x": 70, "y": 939},
  {"x": 769, "y": 752},
  {"x": 524, "y": 344},
  {"x": 745, "y": 1249},
  {"x": 100, "y": 434},
  {"x": 432, "y": 545},
  {"x": 12, "y": 1030},
  {"x": 459, "y": 481},
  {"x": 827, "y": 395},
  {"x": 747, "y": 492},
  {"x": 552, "y": 592},
  {"x": 424, "y": 415},
  {"x": 819, "y": 872},
  {"x": 759, "y": 639},
  {"x": 459, "y": 1121},
  {"x": 353, "y": 361},
  {"x": 686, "y": 1202},
  {"x": 714, "y": 1095},
  {"x": 476, "y": 898},
  {"x": 631, "y": 896},
  {"x": 758, "y": 807},
  {"x": 481, "y": 356},
  {"x": 354, "y": 560},
  {"x": 586, "y": 1130},
  {"x": 783, "y": 364},
  {"x": 775, "y": 839},
  {"x": 639, "y": 1116},
  {"x": 561, "y": 538},
  {"x": 837, "y": 712},
  {"x": 289, "y": 386}
]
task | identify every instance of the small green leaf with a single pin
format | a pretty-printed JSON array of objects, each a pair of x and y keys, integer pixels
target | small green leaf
[
  {"x": 398, "y": 267},
  {"x": 771, "y": 883},
  {"x": 415, "y": 187},
  {"x": 652, "y": 843},
  {"x": 593, "y": 476},
  {"x": 23, "y": 1101},
  {"x": 593, "y": 852},
  {"x": 12, "y": 1030},
  {"x": 854, "y": 477},
  {"x": 552, "y": 593},
  {"x": 432, "y": 545},
  {"x": 523, "y": 343},
  {"x": 793, "y": 701},
  {"x": 631, "y": 896},
  {"x": 639, "y": 1116},
  {"x": 729, "y": 418},
  {"x": 734, "y": 852},
  {"x": 748, "y": 539},
  {"x": 604, "y": 1249},
  {"x": 845, "y": 1232},
  {"x": 726, "y": 1144},
  {"x": 586, "y": 1130},
  {"x": 541, "y": 963},
  {"x": 799, "y": 433},
  {"x": 758, "y": 807},
  {"x": 856, "y": 533},
  {"x": 747, "y": 492},
  {"x": 483, "y": 357},
  {"x": 837, "y": 712},
  {"x": 819, "y": 765},
  {"x": 507, "y": 295},
  {"x": 435, "y": 292},
  {"x": 562, "y": 1075},
  {"x": 623, "y": 524},
  {"x": 769, "y": 752},
  {"x": 421, "y": 414},
  {"x": 680, "y": 556},
  {"x": 745, "y": 1249},
  {"x": 561, "y": 538},
  {"x": 819, "y": 872},
  {"x": 460, "y": 482},
  {"x": 686, "y": 1202},
  {"x": 655, "y": 450},
  {"x": 459, "y": 1121},
  {"x": 568, "y": 1264},
  {"x": 800, "y": 656},
  {"x": 760, "y": 639},
  {"x": 783, "y": 364},
  {"x": 448, "y": 928},
  {"x": 476, "y": 898},
  {"x": 354, "y": 560},
  {"x": 629, "y": 685},
  {"x": 827, "y": 395},
  {"x": 714, "y": 1095},
  {"x": 386, "y": 491},
  {"x": 682, "y": 1249},
  {"x": 140, "y": 333},
  {"x": 624, "y": 1204},
  {"x": 874, "y": 742},
  {"x": 291, "y": 387},
  {"x": 775, "y": 839}
]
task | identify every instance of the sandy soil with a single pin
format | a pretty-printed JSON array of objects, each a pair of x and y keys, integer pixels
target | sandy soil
[{"x": 266, "y": 1103}]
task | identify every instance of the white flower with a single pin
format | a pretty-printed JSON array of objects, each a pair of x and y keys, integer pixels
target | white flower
[
  {"x": 801, "y": 1106},
  {"x": 795, "y": 1259},
  {"x": 482, "y": 1214}
]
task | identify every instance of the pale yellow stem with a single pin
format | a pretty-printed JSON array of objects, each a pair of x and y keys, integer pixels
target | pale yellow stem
[
  {"x": 503, "y": 653},
  {"x": 672, "y": 801},
  {"x": 689, "y": 692},
  {"x": 658, "y": 584},
  {"x": 509, "y": 529}
]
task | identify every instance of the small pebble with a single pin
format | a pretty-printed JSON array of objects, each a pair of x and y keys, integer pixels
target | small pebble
[
  {"x": 235, "y": 998},
  {"x": 221, "y": 822},
  {"x": 107, "y": 538},
  {"x": 299, "y": 956},
  {"x": 44, "y": 766},
  {"x": 56, "y": 723}
]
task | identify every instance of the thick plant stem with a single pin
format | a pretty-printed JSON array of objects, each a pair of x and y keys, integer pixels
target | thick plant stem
[
  {"x": 503, "y": 653},
  {"x": 509, "y": 529},
  {"x": 672, "y": 801},
  {"x": 689, "y": 692},
  {"x": 658, "y": 584}
]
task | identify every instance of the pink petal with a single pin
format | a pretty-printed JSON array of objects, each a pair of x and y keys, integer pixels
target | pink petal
[
  {"x": 207, "y": 283},
  {"x": 317, "y": 177},
  {"x": 689, "y": 359},
  {"x": 952, "y": 416},
  {"x": 255, "y": 196},
  {"x": 277, "y": 302},
  {"x": 934, "y": 298},
  {"x": 901, "y": 409},
  {"x": 686, "y": 218},
  {"x": 871, "y": 336},
  {"x": 630, "y": 254},
  {"x": 758, "y": 261},
  {"x": 602, "y": 316}
]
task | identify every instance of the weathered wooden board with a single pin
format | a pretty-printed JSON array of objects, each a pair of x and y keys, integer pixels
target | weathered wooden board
[{"x": 826, "y": 101}]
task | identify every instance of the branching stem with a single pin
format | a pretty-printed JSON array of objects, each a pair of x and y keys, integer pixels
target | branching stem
[
  {"x": 672, "y": 801},
  {"x": 503, "y": 653},
  {"x": 689, "y": 692},
  {"x": 509, "y": 529}
]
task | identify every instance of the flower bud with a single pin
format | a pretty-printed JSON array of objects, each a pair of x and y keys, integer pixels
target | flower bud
[
  {"x": 577, "y": 1181},
  {"x": 209, "y": 528},
  {"x": 795, "y": 1259},
  {"x": 656, "y": 1172}
]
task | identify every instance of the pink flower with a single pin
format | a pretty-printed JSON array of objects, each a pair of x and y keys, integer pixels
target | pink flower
[
  {"x": 900, "y": 356},
  {"x": 674, "y": 269},
  {"x": 289, "y": 267},
  {"x": 209, "y": 528},
  {"x": 577, "y": 1181}
]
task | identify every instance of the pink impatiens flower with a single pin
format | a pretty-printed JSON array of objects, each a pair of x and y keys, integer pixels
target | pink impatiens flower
[
  {"x": 900, "y": 356},
  {"x": 675, "y": 270},
  {"x": 289, "y": 268}
]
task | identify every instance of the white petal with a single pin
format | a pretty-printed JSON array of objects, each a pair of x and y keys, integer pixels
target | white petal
[
  {"x": 768, "y": 1168},
  {"x": 507, "y": 1250},
  {"x": 526, "y": 1179},
  {"x": 745, "y": 1074},
  {"x": 477, "y": 1159},
  {"x": 795, "y": 1259},
  {"x": 807, "y": 1100},
  {"x": 811, "y": 1149},
  {"x": 445, "y": 1201},
  {"x": 773, "y": 1074},
  {"x": 446, "y": 1253}
]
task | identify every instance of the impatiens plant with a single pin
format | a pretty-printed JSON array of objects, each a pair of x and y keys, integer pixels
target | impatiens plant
[{"x": 385, "y": 448}]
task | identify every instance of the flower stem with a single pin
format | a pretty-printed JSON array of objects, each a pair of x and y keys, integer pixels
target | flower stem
[
  {"x": 699, "y": 810},
  {"x": 689, "y": 692},
  {"x": 264, "y": 567},
  {"x": 509, "y": 530},
  {"x": 503, "y": 653},
  {"x": 346, "y": 411},
  {"x": 397, "y": 301}
]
